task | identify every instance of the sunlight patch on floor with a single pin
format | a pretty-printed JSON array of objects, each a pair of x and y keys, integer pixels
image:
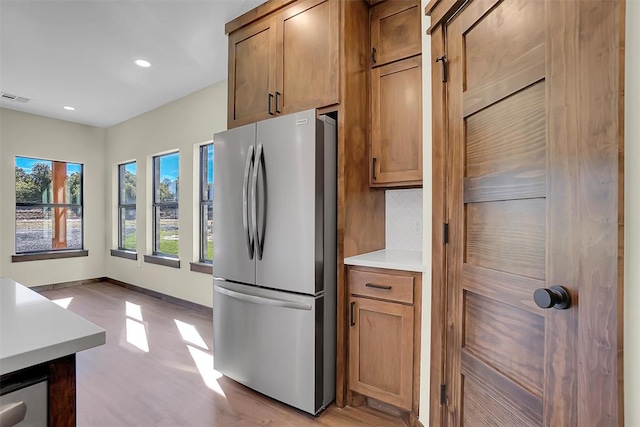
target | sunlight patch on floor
[
  {"x": 63, "y": 302},
  {"x": 133, "y": 310},
  {"x": 204, "y": 363},
  {"x": 137, "y": 335},
  {"x": 190, "y": 334}
]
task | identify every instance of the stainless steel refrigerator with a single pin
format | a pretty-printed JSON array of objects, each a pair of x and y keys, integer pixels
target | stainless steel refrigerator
[{"x": 274, "y": 265}]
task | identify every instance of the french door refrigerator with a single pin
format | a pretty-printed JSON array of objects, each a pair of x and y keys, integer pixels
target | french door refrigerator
[{"x": 274, "y": 265}]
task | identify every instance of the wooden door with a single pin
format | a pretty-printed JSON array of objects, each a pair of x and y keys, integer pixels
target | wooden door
[
  {"x": 395, "y": 31},
  {"x": 381, "y": 351},
  {"x": 252, "y": 73},
  {"x": 534, "y": 199},
  {"x": 308, "y": 56},
  {"x": 396, "y": 123}
]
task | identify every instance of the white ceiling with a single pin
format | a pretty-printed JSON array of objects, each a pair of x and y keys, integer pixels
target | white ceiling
[{"x": 81, "y": 53}]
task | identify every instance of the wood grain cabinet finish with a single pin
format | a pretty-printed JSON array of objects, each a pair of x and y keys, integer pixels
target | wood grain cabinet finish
[
  {"x": 396, "y": 124},
  {"x": 308, "y": 56},
  {"x": 286, "y": 62},
  {"x": 395, "y": 31},
  {"x": 383, "y": 335},
  {"x": 252, "y": 72}
]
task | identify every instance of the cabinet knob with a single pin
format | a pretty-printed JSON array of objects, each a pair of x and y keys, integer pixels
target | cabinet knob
[{"x": 555, "y": 296}]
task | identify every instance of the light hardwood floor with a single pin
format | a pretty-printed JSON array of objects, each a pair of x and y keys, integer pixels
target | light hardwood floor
[{"x": 173, "y": 383}]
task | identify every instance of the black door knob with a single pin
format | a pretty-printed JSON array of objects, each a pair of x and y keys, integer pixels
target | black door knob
[{"x": 555, "y": 296}]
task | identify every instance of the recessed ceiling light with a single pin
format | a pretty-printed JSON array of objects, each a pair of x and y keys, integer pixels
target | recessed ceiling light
[
  {"x": 69, "y": 108},
  {"x": 142, "y": 63}
]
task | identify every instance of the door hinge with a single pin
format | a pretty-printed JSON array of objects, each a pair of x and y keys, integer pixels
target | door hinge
[
  {"x": 445, "y": 68},
  {"x": 443, "y": 394},
  {"x": 445, "y": 233}
]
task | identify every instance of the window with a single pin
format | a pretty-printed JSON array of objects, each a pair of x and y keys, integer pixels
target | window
[
  {"x": 127, "y": 206},
  {"x": 48, "y": 205},
  {"x": 165, "y": 205},
  {"x": 206, "y": 203}
]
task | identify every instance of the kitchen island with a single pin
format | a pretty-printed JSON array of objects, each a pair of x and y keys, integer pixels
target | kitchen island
[{"x": 38, "y": 344}]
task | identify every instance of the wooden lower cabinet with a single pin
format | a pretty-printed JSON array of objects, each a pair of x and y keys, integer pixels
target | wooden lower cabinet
[
  {"x": 381, "y": 363},
  {"x": 384, "y": 336}
]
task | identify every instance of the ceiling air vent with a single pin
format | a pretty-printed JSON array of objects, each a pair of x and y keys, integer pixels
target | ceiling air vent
[{"x": 14, "y": 98}]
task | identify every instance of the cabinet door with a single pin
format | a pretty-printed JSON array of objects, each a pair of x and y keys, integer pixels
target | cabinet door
[
  {"x": 396, "y": 124},
  {"x": 308, "y": 62},
  {"x": 252, "y": 70},
  {"x": 381, "y": 351},
  {"x": 395, "y": 31}
]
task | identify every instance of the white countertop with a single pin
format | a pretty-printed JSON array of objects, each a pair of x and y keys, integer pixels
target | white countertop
[
  {"x": 390, "y": 259},
  {"x": 34, "y": 330}
]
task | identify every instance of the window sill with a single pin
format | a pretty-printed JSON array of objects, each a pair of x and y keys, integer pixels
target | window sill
[
  {"x": 162, "y": 260},
  {"x": 201, "y": 267},
  {"x": 40, "y": 256},
  {"x": 120, "y": 253}
]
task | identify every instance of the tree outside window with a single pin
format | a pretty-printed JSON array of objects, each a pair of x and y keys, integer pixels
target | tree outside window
[{"x": 48, "y": 205}]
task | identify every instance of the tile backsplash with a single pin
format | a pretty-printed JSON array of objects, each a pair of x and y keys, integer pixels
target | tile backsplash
[{"x": 403, "y": 223}]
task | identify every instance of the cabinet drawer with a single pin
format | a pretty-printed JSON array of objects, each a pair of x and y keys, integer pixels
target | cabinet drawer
[{"x": 380, "y": 285}]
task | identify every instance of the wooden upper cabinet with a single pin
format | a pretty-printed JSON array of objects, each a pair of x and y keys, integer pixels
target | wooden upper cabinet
[
  {"x": 252, "y": 73},
  {"x": 395, "y": 31},
  {"x": 396, "y": 124},
  {"x": 287, "y": 61},
  {"x": 308, "y": 56}
]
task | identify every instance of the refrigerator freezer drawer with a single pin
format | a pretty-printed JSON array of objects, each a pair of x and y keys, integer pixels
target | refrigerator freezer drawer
[{"x": 271, "y": 342}]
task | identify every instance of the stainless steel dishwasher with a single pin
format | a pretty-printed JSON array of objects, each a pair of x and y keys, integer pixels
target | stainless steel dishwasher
[{"x": 24, "y": 404}]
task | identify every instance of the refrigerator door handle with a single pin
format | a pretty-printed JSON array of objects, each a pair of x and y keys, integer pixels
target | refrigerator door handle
[
  {"x": 245, "y": 201},
  {"x": 254, "y": 206},
  {"x": 262, "y": 300}
]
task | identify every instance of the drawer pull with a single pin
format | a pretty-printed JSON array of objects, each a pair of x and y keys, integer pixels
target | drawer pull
[{"x": 372, "y": 285}]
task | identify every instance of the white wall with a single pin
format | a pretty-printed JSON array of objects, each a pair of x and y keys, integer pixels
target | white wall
[
  {"x": 425, "y": 352},
  {"x": 23, "y": 134},
  {"x": 182, "y": 124},
  {"x": 631, "y": 218}
]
